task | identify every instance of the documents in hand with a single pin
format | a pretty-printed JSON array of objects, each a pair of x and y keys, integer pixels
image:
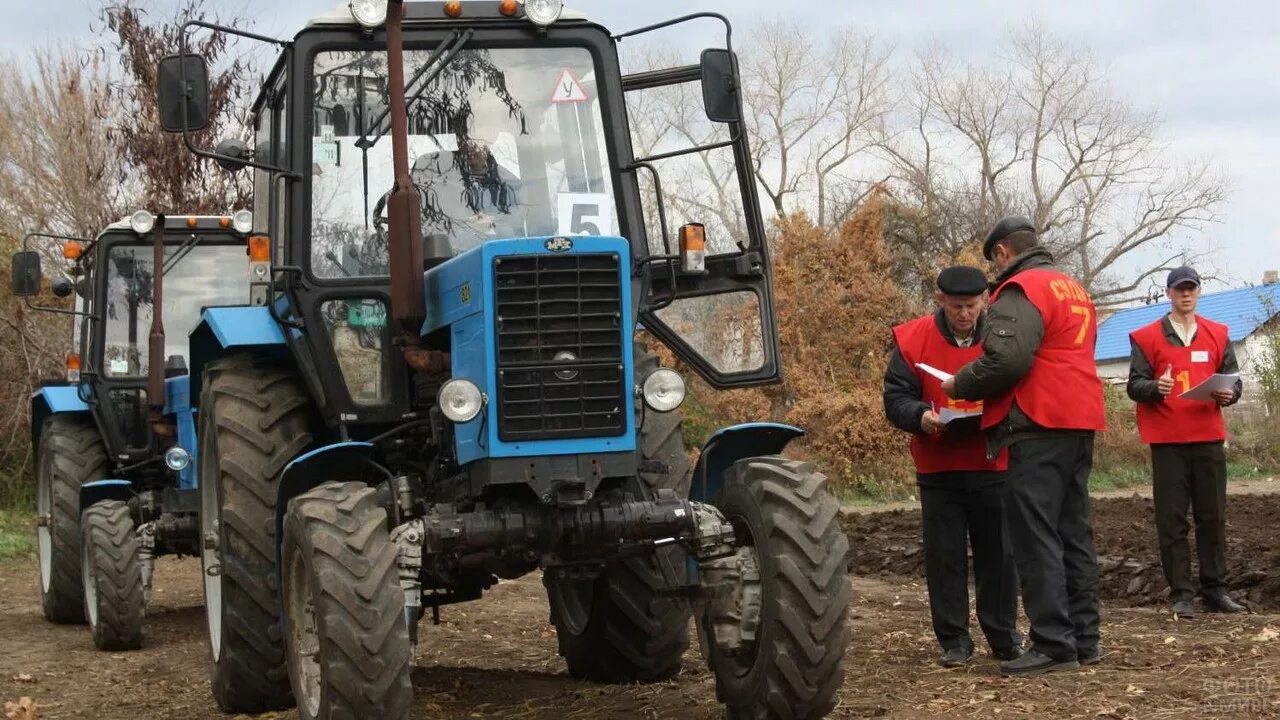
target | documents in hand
[
  {"x": 1205, "y": 390},
  {"x": 946, "y": 415},
  {"x": 943, "y": 376}
]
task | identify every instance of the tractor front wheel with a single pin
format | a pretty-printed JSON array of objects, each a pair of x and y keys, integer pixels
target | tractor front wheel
[
  {"x": 346, "y": 640},
  {"x": 776, "y": 637},
  {"x": 113, "y": 598}
]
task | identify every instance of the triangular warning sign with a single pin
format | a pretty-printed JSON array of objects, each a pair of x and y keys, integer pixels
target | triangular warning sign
[{"x": 568, "y": 89}]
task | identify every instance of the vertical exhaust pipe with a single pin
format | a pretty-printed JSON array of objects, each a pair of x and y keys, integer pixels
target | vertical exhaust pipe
[
  {"x": 155, "y": 348},
  {"x": 404, "y": 207}
]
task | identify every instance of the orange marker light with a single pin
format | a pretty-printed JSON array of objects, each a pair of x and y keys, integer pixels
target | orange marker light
[
  {"x": 72, "y": 250},
  {"x": 509, "y": 7},
  {"x": 224, "y": 222},
  {"x": 453, "y": 8},
  {"x": 191, "y": 222},
  {"x": 693, "y": 248},
  {"x": 259, "y": 248},
  {"x": 73, "y": 367}
]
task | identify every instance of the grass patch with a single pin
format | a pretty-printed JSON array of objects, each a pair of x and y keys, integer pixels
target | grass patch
[{"x": 17, "y": 542}]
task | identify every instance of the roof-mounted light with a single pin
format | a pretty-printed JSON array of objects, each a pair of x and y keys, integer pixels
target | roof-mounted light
[
  {"x": 242, "y": 221},
  {"x": 543, "y": 12},
  {"x": 371, "y": 14},
  {"x": 142, "y": 221}
]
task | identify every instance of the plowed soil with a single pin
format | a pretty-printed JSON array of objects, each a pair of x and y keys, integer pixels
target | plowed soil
[{"x": 496, "y": 658}]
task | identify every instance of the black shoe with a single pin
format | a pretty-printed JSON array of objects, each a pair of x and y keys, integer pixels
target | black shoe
[
  {"x": 1034, "y": 662},
  {"x": 1006, "y": 654},
  {"x": 956, "y": 657},
  {"x": 1220, "y": 601},
  {"x": 1183, "y": 609},
  {"x": 1090, "y": 656}
]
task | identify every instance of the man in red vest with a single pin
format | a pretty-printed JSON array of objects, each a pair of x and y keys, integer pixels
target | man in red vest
[
  {"x": 960, "y": 489},
  {"x": 1042, "y": 400},
  {"x": 1169, "y": 357}
]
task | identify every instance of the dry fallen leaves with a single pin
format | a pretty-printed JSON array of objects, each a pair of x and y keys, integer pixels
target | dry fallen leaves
[
  {"x": 24, "y": 709},
  {"x": 1267, "y": 635}
]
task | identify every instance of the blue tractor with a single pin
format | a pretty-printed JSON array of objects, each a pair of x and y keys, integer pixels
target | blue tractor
[
  {"x": 437, "y": 383},
  {"x": 114, "y": 440}
]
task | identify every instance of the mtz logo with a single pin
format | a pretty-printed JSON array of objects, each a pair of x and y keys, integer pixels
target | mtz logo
[{"x": 559, "y": 244}]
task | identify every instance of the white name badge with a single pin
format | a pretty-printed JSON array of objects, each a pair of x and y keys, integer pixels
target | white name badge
[{"x": 1199, "y": 356}]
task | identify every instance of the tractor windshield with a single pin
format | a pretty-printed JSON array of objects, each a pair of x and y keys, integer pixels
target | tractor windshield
[
  {"x": 504, "y": 143},
  {"x": 195, "y": 277}
]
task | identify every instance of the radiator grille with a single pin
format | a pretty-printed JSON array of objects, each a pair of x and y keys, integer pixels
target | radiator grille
[{"x": 559, "y": 346}]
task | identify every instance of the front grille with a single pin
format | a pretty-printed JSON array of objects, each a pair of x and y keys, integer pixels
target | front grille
[{"x": 559, "y": 346}]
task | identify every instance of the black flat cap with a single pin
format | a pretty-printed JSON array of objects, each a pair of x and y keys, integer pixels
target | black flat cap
[
  {"x": 1182, "y": 276},
  {"x": 1007, "y": 226},
  {"x": 962, "y": 280}
]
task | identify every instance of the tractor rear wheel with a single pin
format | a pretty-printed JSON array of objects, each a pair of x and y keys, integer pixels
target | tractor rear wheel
[
  {"x": 348, "y": 645},
  {"x": 781, "y": 659},
  {"x": 71, "y": 454},
  {"x": 113, "y": 598},
  {"x": 254, "y": 418},
  {"x": 619, "y": 627}
]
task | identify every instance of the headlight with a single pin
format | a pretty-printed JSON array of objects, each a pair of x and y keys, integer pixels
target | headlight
[
  {"x": 177, "y": 459},
  {"x": 369, "y": 13},
  {"x": 142, "y": 222},
  {"x": 543, "y": 12},
  {"x": 663, "y": 390},
  {"x": 242, "y": 221},
  {"x": 460, "y": 400}
]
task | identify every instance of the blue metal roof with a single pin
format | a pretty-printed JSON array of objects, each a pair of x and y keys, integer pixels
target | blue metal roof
[{"x": 1242, "y": 311}]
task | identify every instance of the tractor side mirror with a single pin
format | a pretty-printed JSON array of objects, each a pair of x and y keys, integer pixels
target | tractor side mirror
[
  {"x": 720, "y": 86},
  {"x": 62, "y": 286},
  {"x": 177, "y": 96},
  {"x": 26, "y": 273}
]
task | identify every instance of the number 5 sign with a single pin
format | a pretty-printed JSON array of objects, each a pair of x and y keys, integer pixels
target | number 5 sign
[{"x": 584, "y": 214}]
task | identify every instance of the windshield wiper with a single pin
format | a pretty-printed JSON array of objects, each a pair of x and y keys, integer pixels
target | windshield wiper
[
  {"x": 178, "y": 255},
  {"x": 440, "y": 59}
]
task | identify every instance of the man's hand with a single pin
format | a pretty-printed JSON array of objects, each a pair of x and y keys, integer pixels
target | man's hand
[
  {"x": 1164, "y": 384},
  {"x": 949, "y": 387},
  {"x": 1223, "y": 397},
  {"x": 930, "y": 423}
]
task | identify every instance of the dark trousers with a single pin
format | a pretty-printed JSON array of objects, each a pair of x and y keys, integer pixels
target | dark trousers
[
  {"x": 958, "y": 510},
  {"x": 1050, "y": 530},
  {"x": 1195, "y": 475}
]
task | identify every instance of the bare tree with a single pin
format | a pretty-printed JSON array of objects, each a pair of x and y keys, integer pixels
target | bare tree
[
  {"x": 810, "y": 110},
  {"x": 1043, "y": 135}
]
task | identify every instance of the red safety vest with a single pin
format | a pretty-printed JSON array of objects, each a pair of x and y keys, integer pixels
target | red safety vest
[
  {"x": 1174, "y": 420},
  {"x": 1062, "y": 390},
  {"x": 920, "y": 341}
]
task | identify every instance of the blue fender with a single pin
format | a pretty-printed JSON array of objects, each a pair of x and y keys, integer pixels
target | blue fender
[
  {"x": 99, "y": 490},
  {"x": 224, "y": 329},
  {"x": 53, "y": 400},
  {"x": 729, "y": 445},
  {"x": 339, "y": 461}
]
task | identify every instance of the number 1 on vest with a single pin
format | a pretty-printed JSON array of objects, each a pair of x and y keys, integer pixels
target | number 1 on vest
[{"x": 1087, "y": 313}]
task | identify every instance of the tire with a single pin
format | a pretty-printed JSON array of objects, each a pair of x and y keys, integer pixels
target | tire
[
  {"x": 70, "y": 454},
  {"x": 793, "y": 670},
  {"x": 114, "y": 603},
  {"x": 254, "y": 418},
  {"x": 348, "y": 645},
  {"x": 618, "y": 628}
]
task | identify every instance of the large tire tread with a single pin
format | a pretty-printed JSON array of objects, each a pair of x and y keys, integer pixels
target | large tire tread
[
  {"x": 260, "y": 415},
  {"x": 111, "y": 548},
  {"x": 804, "y": 633},
  {"x": 73, "y": 449},
  {"x": 364, "y": 651}
]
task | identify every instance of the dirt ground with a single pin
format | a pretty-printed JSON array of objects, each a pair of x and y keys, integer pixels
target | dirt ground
[{"x": 497, "y": 658}]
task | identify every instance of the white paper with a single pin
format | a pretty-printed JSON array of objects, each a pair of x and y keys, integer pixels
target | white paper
[
  {"x": 943, "y": 376},
  {"x": 946, "y": 415},
  {"x": 1205, "y": 390}
]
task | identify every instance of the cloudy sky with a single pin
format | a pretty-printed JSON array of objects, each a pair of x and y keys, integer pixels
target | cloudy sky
[{"x": 1211, "y": 70}]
